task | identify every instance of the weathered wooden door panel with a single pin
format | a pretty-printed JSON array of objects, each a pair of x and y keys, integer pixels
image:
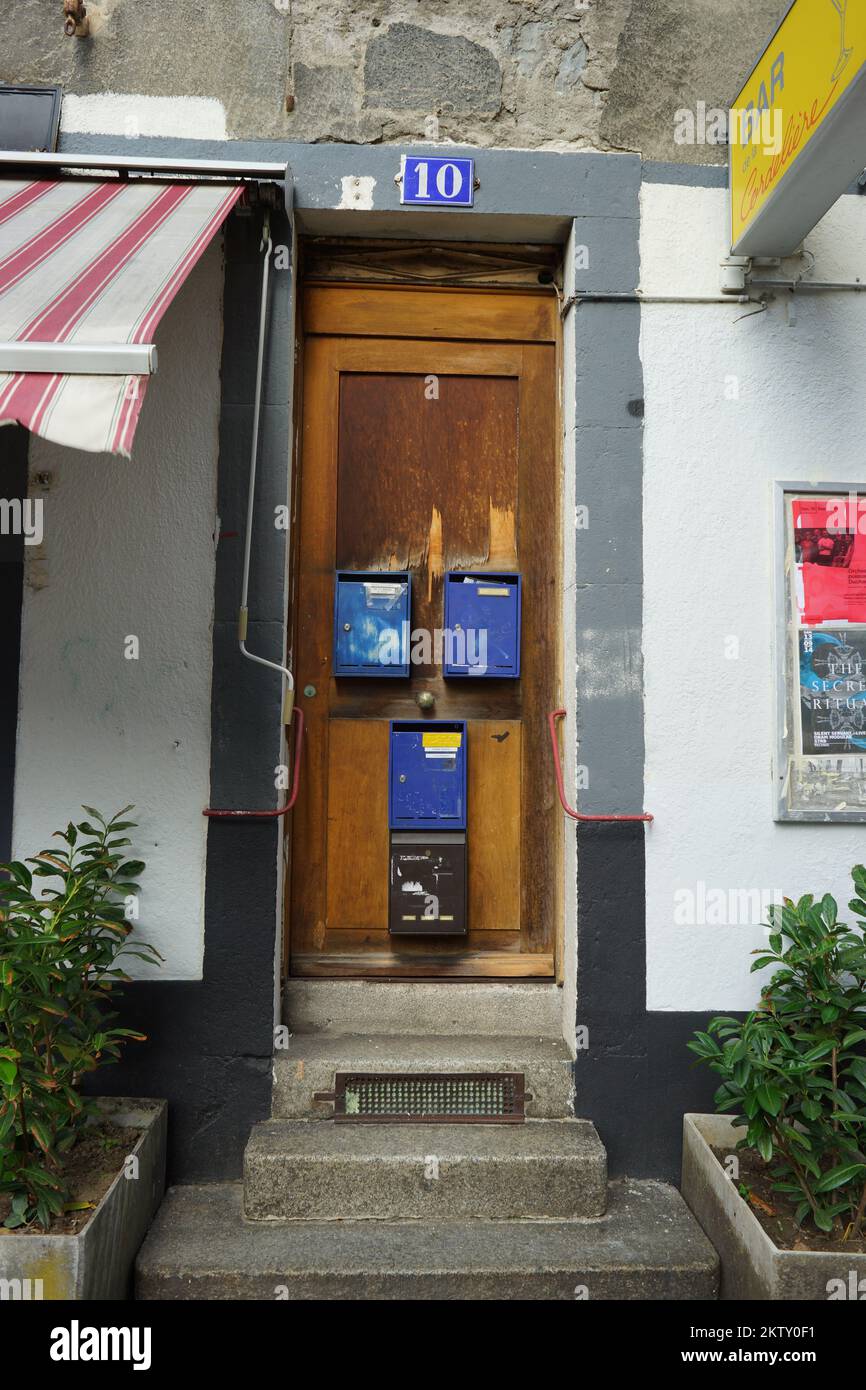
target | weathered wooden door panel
[
  {"x": 425, "y": 455},
  {"x": 494, "y": 824},
  {"x": 406, "y": 495},
  {"x": 357, "y": 882}
]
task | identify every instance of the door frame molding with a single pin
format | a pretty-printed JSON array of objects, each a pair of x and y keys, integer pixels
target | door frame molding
[{"x": 438, "y": 311}]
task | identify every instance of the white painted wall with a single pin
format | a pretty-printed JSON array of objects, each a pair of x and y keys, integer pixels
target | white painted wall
[
  {"x": 132, "y": 114},
  {"x": 709, "y": 465},
  {"x": 128, "y": 549}
]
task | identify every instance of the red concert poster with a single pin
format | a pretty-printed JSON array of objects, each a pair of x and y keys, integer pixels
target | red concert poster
[{"x": 830, "y": 558}]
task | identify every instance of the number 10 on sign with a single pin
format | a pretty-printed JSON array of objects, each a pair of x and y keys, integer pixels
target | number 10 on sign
[{"x": 437, "y": 182}]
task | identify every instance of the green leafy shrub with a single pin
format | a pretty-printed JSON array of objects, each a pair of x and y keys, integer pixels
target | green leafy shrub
[
  {"x": 794, "y": 1072},
  {"x": 59, "y": 953}
]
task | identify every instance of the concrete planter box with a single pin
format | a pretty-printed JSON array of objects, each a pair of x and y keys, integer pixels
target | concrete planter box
[
  {"x": 97, "y": 1262},
  {"x": 753, "y": 1266}
]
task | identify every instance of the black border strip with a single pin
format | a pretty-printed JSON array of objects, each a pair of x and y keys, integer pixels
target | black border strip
[{"x": 14, "y": 486}]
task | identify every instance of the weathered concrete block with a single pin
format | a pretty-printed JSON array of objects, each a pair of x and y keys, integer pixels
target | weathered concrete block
[
  {"x": 490, "y": 1008},
  {"x": 326, "y": 105},
  {"x": 309, "y": 1063},
  {"x": 671, "y": 54},
  {"x": 235, "y": 53},
  {"x": 315, "y": 1170},
  {"x": 408, "y": 67},
  {"x": 648, "y": 1246},
  {"x": 609, "y": 75},
  {"x": 571, "y": 68},
  {"x": 531, "y": 45}
]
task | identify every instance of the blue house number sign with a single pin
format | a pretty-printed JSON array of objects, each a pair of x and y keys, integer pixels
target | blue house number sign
[{"x": 428, "y": 182}]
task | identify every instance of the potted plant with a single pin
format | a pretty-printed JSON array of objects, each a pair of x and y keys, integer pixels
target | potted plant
[
  {"x": 80, "y": 1178},
  {"x": 778, "y": 1178}
]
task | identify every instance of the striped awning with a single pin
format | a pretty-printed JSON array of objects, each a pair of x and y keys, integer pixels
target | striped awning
[{"x": 92, "y": 266}]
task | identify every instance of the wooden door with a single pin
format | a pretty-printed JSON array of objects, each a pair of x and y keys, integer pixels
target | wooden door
[{"x": 428, "y": 443}]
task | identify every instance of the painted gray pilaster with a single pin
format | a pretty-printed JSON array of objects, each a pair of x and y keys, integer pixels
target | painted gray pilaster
[
  {"x": 608, "y": 602},
  {"x": 608, "y": 464},
  {"x": 247, "y": 697}
]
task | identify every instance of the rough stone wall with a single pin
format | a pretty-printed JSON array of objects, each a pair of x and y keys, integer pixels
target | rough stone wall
[{"x": 603, "y": 74}]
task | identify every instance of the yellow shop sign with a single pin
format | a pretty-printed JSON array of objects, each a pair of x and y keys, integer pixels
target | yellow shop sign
[{"x": 797, "y": 127}]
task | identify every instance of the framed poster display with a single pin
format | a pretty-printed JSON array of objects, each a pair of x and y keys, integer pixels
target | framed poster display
[{"x": 820, "y": 758}]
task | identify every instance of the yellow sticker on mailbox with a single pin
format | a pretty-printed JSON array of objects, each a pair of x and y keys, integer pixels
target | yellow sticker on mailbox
[{"x": 441, "y": 740}]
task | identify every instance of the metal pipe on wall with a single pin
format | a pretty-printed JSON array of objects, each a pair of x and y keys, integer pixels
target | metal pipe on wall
[{"x": 289, "y": 710}]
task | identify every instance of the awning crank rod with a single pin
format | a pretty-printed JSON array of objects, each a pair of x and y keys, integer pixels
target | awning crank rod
[
  {"x": 243, "y": 616},
  {"x": 289, "y": 697}
]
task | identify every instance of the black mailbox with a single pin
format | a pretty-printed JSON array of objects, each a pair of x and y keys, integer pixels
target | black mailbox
[{"x": 427, "y": 894}]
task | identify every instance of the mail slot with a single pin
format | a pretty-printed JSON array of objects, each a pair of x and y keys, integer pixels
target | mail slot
[
  {"x": 428, "y": 884},
  {"x": 427, "y": 775},
  {"x": 371, "y": 624},
  {"x": 482, "y": 625}
]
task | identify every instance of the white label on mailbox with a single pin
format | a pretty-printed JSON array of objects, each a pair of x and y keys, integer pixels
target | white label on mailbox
[
  {"x": 379, "y": 590},
  {"x": 383, "y": 595}
]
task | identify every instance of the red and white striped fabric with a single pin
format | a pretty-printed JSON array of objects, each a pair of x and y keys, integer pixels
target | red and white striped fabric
[{"x": 93, "y": 262}]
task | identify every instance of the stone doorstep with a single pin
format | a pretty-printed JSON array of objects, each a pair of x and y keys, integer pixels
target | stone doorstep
[
  {"x": 486, "y": 1008},
  {"x": 309, "y": 1063},
  {"x": 318, "y": 1170},
  {"x": 647, "y": 1246}
]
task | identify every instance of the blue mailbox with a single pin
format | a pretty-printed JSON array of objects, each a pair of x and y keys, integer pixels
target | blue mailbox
[
  {"x": 427, "y": 775},
  {"x": 371, "y": 624},
  {"x": 482, "y": 625}
]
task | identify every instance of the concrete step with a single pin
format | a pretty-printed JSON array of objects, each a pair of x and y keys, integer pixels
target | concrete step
[
  {"x": 494, "y": 1008},
  {"x": 647, "y": 1246},
  {"x": 309, "y": 1063},
  {"x": 316, "y": 1170}
]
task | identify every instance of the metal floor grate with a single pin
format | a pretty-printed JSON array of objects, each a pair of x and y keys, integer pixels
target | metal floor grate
[{"x": 428, "y": 1097}]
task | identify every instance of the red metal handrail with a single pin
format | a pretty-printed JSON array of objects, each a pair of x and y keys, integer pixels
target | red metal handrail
[
  {"x": 552, "y": 719},
  {"x": 298, "y": 716}
]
